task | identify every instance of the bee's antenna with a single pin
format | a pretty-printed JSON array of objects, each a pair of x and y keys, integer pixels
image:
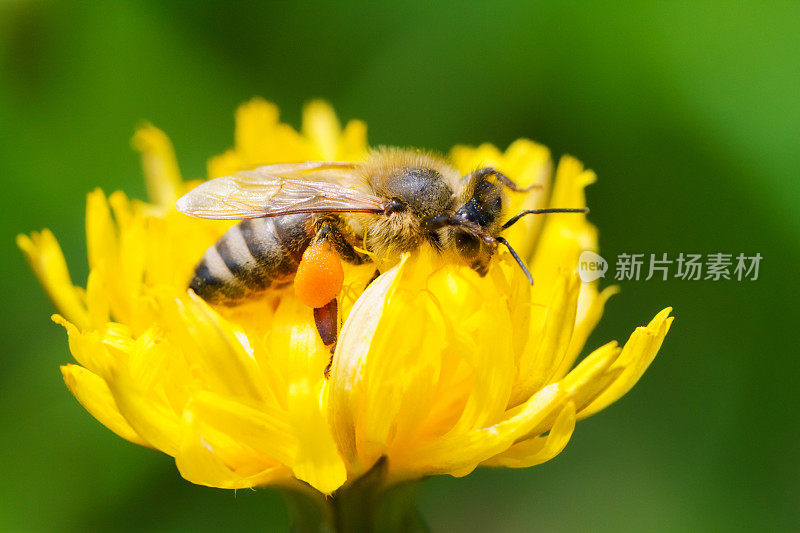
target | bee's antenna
[
  {"x": 504, "y": 242},
  {"x": 518, "y": 216}
]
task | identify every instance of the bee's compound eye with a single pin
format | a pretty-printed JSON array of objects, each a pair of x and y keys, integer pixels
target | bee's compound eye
[{"x": 395, "y": 206}]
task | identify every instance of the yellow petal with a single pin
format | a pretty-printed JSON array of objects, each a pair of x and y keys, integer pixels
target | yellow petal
[
  {"x": 527, "y": 163},
  {"x": 226, "y": 164},
  {"x": 322, "y": 128},
  {"x": 158, "y": 368},
  {"x": 199, "y": 462},
  {"x": 132, "y": 236},
  {"x": 353, "y": 145},
  {"x": 101, "y": 232},
  {"x": 295, "y": 367},
  {"x": 219, "y": 350},
  {"x": 162, "y": 176},
  {"x": 564, "y": 236},
  {"x": 90, "y": 348},
  {"x": 351, "y": 354},
  {"x": 317, "y": 461},
  {"x": 398, "y": 363},
  {"x": 150, "y": 417},
  {"x": 173, "y": 244},
  {"x": 97, "y": 299},
  {"x": 636, "y": 356},
  {"x": 93, "y": 394},
  {"x": 258, "y": 426},
  {"x": 569, "y": 186},
  {"x": 47, "y": 261},
  {"x": 546, "y": 349},
  {"x": 261, "y": 139},
  {"x": 297, "y": 438},
  {"x": 137, "y": 392},
  {"x": 478, "y": 317},
  {"x": 537, "y": 450},
  {"x": 592, "y": 376},
  {"x": 255, "y": 122},
  {"x": 515, "y": 291},
  {"x": 468, "y": 158},
  {"x": 590, "y": 309},
  {"x": 296, "y": 349},
  {"x": 460, "y": 453}
]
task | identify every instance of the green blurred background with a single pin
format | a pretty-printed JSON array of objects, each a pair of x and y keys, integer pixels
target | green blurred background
[{"x": 689, "y": 113}]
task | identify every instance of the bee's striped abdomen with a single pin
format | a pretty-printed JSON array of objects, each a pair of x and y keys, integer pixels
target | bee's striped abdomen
[{"x": 251, "y": 257}]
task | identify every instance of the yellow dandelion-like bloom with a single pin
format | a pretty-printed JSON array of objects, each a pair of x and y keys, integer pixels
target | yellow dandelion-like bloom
[{"x": 437, "y": 369}]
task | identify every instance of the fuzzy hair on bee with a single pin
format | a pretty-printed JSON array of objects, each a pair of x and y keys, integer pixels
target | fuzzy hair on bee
[{"x": 419, "y": 186}]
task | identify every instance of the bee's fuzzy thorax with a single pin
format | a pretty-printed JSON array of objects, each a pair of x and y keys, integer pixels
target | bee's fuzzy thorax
[
  {"x": 385, "y": 162},
  {"x": 424, "y": 181}
]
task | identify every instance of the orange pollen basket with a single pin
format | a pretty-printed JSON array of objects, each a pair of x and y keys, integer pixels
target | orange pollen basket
[{"x": 319, "y": 277}]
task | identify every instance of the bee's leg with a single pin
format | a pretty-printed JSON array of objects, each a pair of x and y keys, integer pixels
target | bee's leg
[
  {"x": 327, "y": 323},
  {"x": 327, "y": 371},
  {"x": 334, "y": 230},
  {"x": 375, "y": 275},
  {"x": 482, "y": 173}
]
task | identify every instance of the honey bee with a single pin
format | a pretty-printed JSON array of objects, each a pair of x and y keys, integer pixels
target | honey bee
[{"x": 300, "y": 220}]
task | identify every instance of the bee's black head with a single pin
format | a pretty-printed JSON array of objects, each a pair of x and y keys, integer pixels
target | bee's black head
[{"x": 483, "y": 208}]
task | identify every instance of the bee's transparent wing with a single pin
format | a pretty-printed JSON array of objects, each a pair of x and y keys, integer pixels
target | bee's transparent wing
[
  {"x": 273, "y": 190},
  {"x": 306, "y": 168}
]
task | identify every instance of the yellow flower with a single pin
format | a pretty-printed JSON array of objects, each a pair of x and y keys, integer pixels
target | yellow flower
[{"x": 436, "y": 369}]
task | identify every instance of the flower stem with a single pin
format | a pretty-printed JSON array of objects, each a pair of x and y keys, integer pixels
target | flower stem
[{"x": 367, "y": 505}]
